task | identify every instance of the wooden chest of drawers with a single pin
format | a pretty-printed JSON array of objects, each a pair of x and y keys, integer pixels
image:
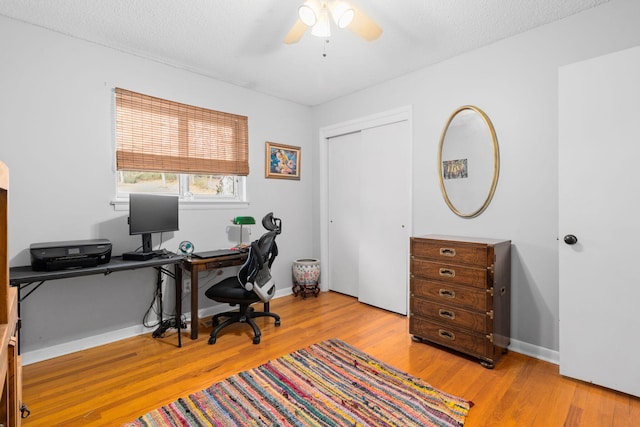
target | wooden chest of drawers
[{"x": 460, "y": 294}]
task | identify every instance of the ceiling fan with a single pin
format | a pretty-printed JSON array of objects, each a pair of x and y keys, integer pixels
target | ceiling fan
[{"x": 317, "y": 15}]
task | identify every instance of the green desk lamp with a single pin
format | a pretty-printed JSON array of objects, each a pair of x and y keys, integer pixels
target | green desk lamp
[{"x": 243, "y": 220}]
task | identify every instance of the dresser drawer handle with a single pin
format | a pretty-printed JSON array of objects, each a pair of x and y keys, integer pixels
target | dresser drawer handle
[
  {"x": 447, "y": 252},
  {"x": 447, "y": 293},
  {"x": 445, "y": 272},
  {"x": 447, "y": 314},
  {"x": 447, "y": 335}
]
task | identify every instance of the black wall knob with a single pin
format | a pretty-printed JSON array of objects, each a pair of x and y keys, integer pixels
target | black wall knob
[{"x": 570, "y": 239}]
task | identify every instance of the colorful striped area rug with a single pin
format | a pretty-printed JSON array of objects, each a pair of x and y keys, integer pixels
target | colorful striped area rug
[{"x": 326, "y": 384}]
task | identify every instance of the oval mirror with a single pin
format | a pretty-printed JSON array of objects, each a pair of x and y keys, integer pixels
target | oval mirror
[{"x": 468, "y": 161}]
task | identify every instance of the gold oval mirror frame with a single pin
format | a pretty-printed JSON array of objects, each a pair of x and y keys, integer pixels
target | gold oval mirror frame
[{"x": 468, "y": 161}]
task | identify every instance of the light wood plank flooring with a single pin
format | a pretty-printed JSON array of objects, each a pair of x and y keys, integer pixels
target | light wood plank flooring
[{"x": 115, "y": 383}]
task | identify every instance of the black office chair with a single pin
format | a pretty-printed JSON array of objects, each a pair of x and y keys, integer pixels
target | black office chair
[{"x": 252, "y": 284}]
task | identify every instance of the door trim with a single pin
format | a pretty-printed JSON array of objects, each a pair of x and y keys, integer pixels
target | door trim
[{"x": 355, "y": 125}]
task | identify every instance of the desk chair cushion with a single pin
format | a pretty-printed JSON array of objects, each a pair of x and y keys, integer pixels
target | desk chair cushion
[{"x": 230, "y": 291}]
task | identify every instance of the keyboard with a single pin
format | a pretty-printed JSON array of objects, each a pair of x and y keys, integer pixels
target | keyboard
[{"x": 217, "y": 253}]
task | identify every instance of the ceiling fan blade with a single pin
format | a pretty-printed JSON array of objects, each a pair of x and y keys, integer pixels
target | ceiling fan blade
[
  {"x": 364, "y": 26},
  {"x": 296, "y": 32}
]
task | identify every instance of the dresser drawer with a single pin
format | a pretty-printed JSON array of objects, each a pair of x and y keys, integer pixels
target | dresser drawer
[
  {"x": 466, "y": 342},
  {"x": 450, "y": 273},
  {"x": 451, "y": 294},
  {"x": 450, "y": 252},
  {"x": 452, "y": 316}
]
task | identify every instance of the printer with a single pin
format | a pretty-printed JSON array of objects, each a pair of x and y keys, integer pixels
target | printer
[{"x": 53, "y": 256}]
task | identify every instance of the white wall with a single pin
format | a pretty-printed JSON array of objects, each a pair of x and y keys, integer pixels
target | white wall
[
  {"x": 515, "y": 81},
  {"x": 55, "y": 136}
]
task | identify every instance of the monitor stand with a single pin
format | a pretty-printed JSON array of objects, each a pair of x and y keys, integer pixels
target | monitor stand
[{"x": 147, "y": 251}]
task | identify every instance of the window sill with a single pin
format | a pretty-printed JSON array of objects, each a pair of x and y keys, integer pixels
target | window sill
[{"x": 123, "y": 204}]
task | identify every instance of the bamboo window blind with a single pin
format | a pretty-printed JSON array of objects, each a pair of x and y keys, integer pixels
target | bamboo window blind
[{"x": 156, "y": 135}]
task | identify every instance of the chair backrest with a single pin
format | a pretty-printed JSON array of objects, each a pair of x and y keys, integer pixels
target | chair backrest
[{"x": 255, "y": 274}]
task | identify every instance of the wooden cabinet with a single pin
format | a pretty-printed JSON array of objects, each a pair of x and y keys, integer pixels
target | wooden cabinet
[
  {"x": 10, "y": 366},
  {"x": 460, "y": 294}
]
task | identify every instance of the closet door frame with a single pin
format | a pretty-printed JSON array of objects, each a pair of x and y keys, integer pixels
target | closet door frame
[{"x": 356, "y": 125}]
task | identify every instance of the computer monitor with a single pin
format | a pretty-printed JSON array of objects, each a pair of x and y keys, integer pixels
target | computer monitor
[{"x": 152, "y": 213}]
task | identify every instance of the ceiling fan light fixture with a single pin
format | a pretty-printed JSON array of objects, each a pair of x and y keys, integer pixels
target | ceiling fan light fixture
[
  {"x": 317, "y": 15},
  {"x": 322, "y": 28},
  {"x": 342, "y": 14}
]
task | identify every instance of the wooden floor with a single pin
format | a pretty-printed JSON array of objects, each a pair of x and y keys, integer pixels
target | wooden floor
[{"x": 115, "y": 383}]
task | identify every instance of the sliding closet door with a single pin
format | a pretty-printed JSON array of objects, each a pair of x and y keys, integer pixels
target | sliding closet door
[
  {"x": 344, "y": 212},
  {"x": 369, "y": 210},
  {"x": 385, "y": 211}
]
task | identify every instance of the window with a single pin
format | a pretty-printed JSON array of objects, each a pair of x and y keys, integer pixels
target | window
[{"x": 167, "y": 147}]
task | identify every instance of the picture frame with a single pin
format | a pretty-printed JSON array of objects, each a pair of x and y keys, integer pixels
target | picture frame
[
  {"x": 282, "y": 161},
  {"x": 455, "y": 169}
]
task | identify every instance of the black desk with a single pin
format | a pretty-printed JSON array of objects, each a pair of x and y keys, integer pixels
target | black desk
[{"x": 23, "y": 277}]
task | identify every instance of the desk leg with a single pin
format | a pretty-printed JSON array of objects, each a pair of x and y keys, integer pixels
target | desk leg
[
  {"x": 178, "y": 280},
  {"x": 195, "y": 322}
]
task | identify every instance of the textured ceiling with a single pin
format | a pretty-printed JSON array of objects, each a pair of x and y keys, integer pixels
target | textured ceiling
[{"x": 240, "y": 41}]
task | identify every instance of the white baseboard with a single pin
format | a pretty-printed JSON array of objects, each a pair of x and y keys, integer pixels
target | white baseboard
[
  {"x": 82, "y": 344},
  {"x": 35, "y": 356},
  {"x": 551, "y": 356},
  {"x": 112, "y": 336}
]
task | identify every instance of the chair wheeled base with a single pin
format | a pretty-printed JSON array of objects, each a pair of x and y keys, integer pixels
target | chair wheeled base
[{"x": 245, "y": 314}]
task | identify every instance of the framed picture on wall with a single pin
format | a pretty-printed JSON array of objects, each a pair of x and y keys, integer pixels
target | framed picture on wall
[{"x": 282, "y": 161}]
